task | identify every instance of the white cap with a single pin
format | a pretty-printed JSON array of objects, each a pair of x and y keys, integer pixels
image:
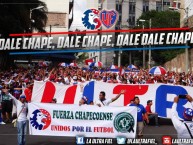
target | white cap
[{"x": 75, "y": 77}]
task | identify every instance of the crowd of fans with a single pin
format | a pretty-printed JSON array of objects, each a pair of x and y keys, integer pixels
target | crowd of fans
[
  {"x": 20, "y": 80},
  {"x": 15, "y": 79}
]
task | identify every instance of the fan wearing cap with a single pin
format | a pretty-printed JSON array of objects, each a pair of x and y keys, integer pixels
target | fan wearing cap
[
  {"x": 22, "y": 107},
  {"x": 184, "y": 129},
  {"x": 75, "y": 80}
]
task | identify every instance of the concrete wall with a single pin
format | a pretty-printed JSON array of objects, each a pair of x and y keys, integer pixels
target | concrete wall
[
  {"x": 61, "y": 6},
  {"x": 178, "y": 64}
]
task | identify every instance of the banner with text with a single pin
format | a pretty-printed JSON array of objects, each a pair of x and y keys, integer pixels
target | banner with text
[
  {"x": 161, "y": 94},
  {"x": 86, "y": 120}
]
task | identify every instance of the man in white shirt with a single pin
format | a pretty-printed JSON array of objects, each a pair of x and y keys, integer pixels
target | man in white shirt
[
  {"x": 21, "y": 118},
  {"x": 185, "y": 128},
  {"x": 105, "y": 102}
]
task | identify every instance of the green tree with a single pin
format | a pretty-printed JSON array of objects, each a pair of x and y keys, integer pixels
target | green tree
[
  {"x": 15, "y": 18},
  {"x": 163, "y": 19}
]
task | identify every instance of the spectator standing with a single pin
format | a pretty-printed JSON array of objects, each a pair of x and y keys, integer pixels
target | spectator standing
[
  {"x": 105, "y": 102},
  {"x": 150, "y": 114},
  {"x": 6, "y": 106},
  {"x": 140, "y": 112},
  {"x": 22, "y": 109}
]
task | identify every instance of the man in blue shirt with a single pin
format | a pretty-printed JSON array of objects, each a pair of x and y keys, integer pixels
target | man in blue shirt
[{"x": 140, "y": 113}]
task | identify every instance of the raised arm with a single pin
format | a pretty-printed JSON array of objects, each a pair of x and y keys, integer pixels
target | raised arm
[
  {"x": 12, "y": 97},
  {"x": 175, "y": 119},
  {"x": 115, "y": 98},
  {"x": 189, "y": 98}
]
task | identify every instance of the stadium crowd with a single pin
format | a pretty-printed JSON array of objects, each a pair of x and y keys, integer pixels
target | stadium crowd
[{"x": 20, "y": 80}]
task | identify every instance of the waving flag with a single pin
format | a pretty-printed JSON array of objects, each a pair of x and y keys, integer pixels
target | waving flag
[
  {"x": 63, "y": 64},
  {"x": 96, "y": 64},
  {"x": 87, "y": 61}
]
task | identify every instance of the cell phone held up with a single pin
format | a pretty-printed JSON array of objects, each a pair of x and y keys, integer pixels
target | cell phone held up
[{"x": 182, "y": 96}]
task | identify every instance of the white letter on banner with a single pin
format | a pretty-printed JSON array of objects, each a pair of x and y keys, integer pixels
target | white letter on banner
[
  {"x": 60, "y": 42},
  {"x": 119, "y": 40},
  {"x": 144, "y": 39}
]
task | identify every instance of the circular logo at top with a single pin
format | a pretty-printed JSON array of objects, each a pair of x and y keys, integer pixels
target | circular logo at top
[
  {"x": 91, "y": 19},
  {"x": 40, "y": 119},
  {"x": 124, "y": 122}
]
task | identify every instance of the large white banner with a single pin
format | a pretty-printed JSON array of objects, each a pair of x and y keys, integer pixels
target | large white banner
[
  {"x": 161, "y": 94},
  {"x": 86, "y": 120}
]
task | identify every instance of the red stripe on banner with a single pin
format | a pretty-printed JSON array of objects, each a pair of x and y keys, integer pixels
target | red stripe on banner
[
  {"x": 131, "y": 91},
  {"x": 102, "y": 31},
  {"x": 49, "y": 92},
  {"x": 70, "y": 95}
]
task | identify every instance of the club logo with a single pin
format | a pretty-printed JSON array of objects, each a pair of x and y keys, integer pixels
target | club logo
[
  {"x": 40, "y": 119},
  {"x": 124, "y": 122},
  {"x": 91, "y": 19},
  {"x": 108, "y": 18}
]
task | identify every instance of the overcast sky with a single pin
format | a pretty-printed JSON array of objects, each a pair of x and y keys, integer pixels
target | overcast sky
[{"x": 57, "y": 5}]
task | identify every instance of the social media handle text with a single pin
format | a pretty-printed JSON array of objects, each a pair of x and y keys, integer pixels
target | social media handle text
[{"x": 99, "y": 141}]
